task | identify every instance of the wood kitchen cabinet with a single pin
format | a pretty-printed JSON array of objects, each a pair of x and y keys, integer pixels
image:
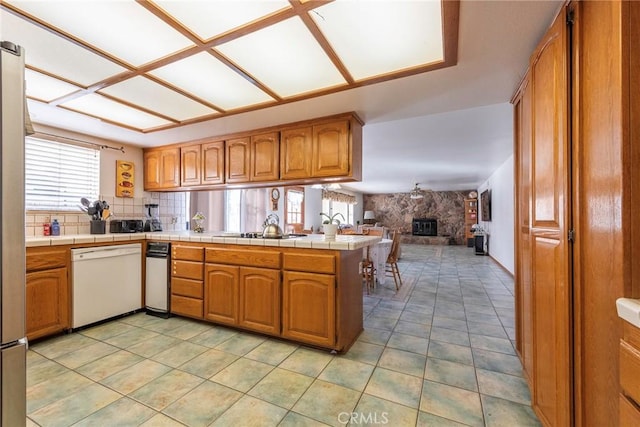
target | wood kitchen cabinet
[
  {"x": 190, "y": 165},
  {"x": 296, "y": 152},
  {"x": 187, "y": 280},
  {"x": 309, "y": 303},
  {"x": 242, "y": 288},
  {"x": 202, "y": 164},
  {"x": 331, "y": 154},
  {"x": 253, "y": 158},
  {"x": 47, "y": 292},
  {"x": 161, "y": 168}
]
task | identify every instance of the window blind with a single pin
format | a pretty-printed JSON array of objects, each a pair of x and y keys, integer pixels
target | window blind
[{"x": 57, "y": 175}]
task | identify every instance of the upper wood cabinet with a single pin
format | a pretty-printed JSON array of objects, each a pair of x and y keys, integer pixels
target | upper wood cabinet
[
  {"x": 190, "y": 170},
  {"x": 213, "y": 163},
  {"x": 312, "y": 151},
  {"x": 162, "y": 168},
  {"x": 202, "y": 164},
  {"x": 253, "y": 158},
  {"x": 331, "y": 155},
  {"x": 295, "y": 153}
]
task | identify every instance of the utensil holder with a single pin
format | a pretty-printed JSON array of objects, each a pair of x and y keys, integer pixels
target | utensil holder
[{"x": 97, "y": 226}]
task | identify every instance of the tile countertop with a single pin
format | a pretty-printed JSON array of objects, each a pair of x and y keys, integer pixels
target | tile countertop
[
  {"x": 313, "y": 241},
  {"x": 629, "y": 310}
]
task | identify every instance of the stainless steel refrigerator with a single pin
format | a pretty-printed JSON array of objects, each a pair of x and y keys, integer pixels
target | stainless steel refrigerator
[{"x": 13, "y": 343}]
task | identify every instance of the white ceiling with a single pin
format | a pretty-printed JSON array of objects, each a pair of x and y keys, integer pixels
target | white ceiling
[{"x": 447, "y": 129}]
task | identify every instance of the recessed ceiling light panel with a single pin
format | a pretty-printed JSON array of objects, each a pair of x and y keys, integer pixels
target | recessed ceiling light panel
[
  {"x": 99, "y": 106},
  {"x": 153, "y": 96},
  {"x": 207, "y": 78},
  {"x": 377, "y": 37},
  {"x": 45, "y": 88},
  {"x": 46, "y": 51},
  {"x": 122, "y": 28},
  {"x": 211, "y": 18},
  {"x": 285, "y": 57}
]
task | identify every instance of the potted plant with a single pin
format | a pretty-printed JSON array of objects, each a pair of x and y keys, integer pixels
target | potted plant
[{"x": 331, "y": 224}]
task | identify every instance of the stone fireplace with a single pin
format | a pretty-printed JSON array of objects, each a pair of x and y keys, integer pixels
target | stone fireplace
[{"x": 425, "y": 227}]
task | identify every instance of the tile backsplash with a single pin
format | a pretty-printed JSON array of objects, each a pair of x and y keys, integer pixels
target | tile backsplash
[{"x": 172, "y": 213}]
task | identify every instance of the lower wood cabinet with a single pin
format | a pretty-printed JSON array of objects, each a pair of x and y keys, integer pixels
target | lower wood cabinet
[
  {"x": 243, "y": 296},
  {"x": 47, "y": 292},
  {"x": 308, "y": 300},
  {"x": 221, "y": 293},
  {"x": 187, "y": 285}
]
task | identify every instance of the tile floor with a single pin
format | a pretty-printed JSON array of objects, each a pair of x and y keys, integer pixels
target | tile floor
[{"x": 437, "y": 353}]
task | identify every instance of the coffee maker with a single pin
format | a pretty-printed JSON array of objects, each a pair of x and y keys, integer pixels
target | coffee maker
[{"x": 152, "y": 222}]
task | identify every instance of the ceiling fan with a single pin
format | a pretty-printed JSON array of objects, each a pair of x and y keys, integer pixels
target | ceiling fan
[{"x": 416, "y": 193}]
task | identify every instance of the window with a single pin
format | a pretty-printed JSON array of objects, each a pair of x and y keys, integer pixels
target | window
[
  {"x": 245, "y": 210},
  {"x": 294, "y": 208},
  {"x": 332, "y": 207},
  {"x": 57, "y": 175}
]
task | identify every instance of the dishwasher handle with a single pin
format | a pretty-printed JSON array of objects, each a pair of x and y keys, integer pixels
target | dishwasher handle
[{"x": 109, "y": 252}]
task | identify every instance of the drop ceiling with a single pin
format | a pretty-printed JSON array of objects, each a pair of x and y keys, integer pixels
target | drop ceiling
[{"x": 151, "y": 73}]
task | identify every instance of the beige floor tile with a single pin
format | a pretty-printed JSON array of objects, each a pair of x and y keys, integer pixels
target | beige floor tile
[
  {"x": 272, "y": 351},
  {"x": 179, "y": 353},
  {"x": 109, "y": 365},
  {"x": 203, "y": 404},
  {"x": 62, "y": 345},
  {"x": 325, "y": 402},
  {"x": 364, "y": 352},
  {"x": 135, "y": 376},
  {"x": 86, "y": 355},
  {"x": 281, "y": 387},
  {"x": 209, "y": 363},
  {"x": 153, "y": 346},
  {"x": 55, "y": 388},
  {"x": 242, "y": 374},
  {"x": 347, "y": 373},
  {"x": 452, "y": 403},
  {"x": 307, "y": 361},
  {"x": 125, "y": 410},
  {"x": 372, "y": 410},
  {"x": 403, "y": 361},
  {"x": 451, "y": 373},
  {"x": 251, "y": 412},
  {"x": 164, "y": 390},
  {"x": 107, "y": 330},
  {"x": 188, "y": 330},
  {"x": 161, "y": 420},
  {"x": 133, "y": 337},
  {"x": 241, "y": 344},
  {"x": 75, "y": 406},
  {"x": 43, "y": 370},
  {"x": 213, "y": 337},
  {"x": 395, "y": 386},
  {"x": 296, "y": 420}
]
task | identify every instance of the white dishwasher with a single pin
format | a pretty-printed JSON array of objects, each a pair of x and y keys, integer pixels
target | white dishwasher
[{"x": 107, "y": 282}]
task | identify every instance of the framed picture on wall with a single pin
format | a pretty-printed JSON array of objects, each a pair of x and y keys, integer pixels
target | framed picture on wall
[
  {"x": 124, "y": 178},
  {"x": 485, "y": 206}
]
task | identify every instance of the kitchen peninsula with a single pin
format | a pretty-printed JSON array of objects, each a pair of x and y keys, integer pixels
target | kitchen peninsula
[{"x": 304, "y": 289}]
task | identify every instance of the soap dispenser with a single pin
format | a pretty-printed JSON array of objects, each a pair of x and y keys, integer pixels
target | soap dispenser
[{"x": 55, "y": 228}]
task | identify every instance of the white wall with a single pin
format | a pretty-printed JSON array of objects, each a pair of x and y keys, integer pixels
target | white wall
[{"x": 500, "y": 228}]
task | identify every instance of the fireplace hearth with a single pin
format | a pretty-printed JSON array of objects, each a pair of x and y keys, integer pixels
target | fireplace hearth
[{"x": 425, "y": 227}]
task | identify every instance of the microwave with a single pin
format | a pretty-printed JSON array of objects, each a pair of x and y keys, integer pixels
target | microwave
[{"x": 126, "y": 226}]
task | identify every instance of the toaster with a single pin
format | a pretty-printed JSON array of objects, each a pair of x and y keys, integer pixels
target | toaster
[{"x": 126, "y": 226}]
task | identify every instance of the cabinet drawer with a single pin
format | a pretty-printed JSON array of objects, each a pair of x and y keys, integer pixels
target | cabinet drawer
[
  {"x": 249, "y": 258},
  {"x": 187, "y": 306},
  {"x": 187, "y": 253},
  {"x": 629, "y": 413},
  {"x": 186, "y": 287},
  {"x": 45, "y": 259},
  {"x": 313, "y": 263},
  {"x": 630, "y": 371},
  {"x": 187, "y": 269}
]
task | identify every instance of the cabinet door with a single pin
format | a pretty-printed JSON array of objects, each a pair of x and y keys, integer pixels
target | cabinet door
[
  {"x": 238, "y": 160},
  {"x": 265, "y": 157},
  {"x": 47, "y": 302},
  {"x": 295, "y": 153},
  {"x": 260, "y": 299},
  {"x": 309, "y": 308},
  {"x": 550, "y": 282},
  {"x": 170, "y": 168},
  {"x": 213, "y": 163},
  {"x": 331, "y": 151},
  {"x": 221, "y": 293},
  {"x": 152, "y": 172},
  {"x": 190, "y": 165}
]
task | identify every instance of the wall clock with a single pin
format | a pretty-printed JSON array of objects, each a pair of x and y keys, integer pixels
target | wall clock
[{"x": 275, "y": 196}]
